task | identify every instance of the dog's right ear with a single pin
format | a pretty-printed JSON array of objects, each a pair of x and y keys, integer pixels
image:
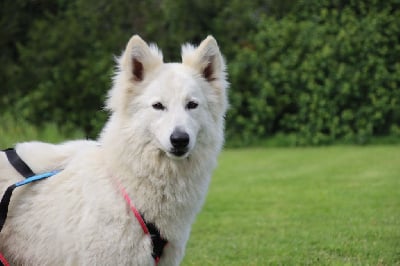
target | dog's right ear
[
  {"x": 135, "y": 64},
  {"x": 139, "y": 58}
]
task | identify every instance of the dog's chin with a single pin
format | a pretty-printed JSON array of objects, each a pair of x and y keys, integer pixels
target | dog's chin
[{"x": 178, "y": 154}]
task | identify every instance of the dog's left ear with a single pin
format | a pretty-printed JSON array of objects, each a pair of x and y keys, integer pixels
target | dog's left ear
[{"x": 207, "y": 60}]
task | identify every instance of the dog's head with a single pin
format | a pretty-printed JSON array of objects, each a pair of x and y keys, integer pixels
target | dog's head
[{"x": 172, "y": 106}]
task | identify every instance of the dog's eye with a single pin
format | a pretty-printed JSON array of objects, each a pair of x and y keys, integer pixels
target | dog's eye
[
  {"x": 192, "y": 105},
  {"x": 158, "y": 106}
]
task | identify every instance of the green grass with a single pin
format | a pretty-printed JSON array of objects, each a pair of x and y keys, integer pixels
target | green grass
[
  {"x": 286, "y": 206},
  {"x": 301, "y": 206}
]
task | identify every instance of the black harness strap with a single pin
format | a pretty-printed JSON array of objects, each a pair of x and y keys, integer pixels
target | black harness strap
[
  {"x": 24, "y": 170},
  {"x": 18, "y": 163},
  {"x": 158, "y": 241},
  {"x": 5, "y": 201}
]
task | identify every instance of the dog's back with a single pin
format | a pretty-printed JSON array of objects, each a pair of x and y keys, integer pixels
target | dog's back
[{"x": 40, "y": 157}]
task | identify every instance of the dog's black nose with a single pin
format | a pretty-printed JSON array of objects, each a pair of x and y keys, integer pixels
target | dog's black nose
[{"x": 179, "y": 139}]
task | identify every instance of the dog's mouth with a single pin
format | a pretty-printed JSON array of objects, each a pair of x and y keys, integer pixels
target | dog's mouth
[{"x": 178, "y": 153}]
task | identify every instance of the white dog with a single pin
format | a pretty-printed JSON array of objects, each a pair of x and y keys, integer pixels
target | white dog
[{"x": 155, "y": 155}]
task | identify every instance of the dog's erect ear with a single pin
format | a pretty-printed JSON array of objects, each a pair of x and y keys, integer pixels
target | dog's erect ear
[
  {"x": 207, "y": 60},
  {"x": 139, "y": 58},
  {"x": 135, "y": 64}
]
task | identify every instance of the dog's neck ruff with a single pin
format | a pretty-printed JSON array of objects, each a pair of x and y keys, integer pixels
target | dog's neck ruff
[{"x": 148, "y": 228}]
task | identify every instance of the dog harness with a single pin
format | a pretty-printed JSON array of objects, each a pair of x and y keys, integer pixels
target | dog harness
[
  {"x": 30, "y": 177},
  {"x": 26, "y": 172},
  {"x": 148, "y": 228}
]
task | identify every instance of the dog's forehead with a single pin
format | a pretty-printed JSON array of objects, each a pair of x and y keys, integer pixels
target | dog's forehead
[{"x": 177, "y": 79}]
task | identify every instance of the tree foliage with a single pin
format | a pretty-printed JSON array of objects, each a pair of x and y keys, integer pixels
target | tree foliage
[
  {"x": 320, "y": 71},
  {"x": 326, "y": 74}
]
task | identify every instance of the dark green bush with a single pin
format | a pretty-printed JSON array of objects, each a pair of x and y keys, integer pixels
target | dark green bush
[{"x": 333, "y": 76}]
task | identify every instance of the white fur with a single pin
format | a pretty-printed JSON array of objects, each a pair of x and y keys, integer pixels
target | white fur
[
  {"x": 41, "y": 157},
  {"x": 78, "y": 217}
]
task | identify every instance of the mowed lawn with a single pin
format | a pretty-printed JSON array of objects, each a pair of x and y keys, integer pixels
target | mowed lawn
[{"x": 301, "y": 206}]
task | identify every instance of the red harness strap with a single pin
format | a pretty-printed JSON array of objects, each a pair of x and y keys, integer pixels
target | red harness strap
[
  {"x": 3, "y": 261},
  {"x": 148, "y": 228},
  {"x": 133, "y": 209}
]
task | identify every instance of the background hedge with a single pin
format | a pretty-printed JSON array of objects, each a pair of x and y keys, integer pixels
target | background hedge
[
  {"x": 316, "y": 72},
  {"x": 329, "y": 75}
]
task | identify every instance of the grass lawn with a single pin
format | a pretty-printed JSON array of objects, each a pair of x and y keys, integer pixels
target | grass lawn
[{"x": 301, "y": 206}]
